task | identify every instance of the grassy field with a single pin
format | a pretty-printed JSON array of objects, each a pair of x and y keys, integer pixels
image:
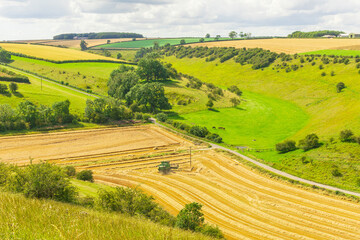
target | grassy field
[
  {"x": 258, "y": 122},
  {"x": 89, "y": 75},
  {"x": 336, "y": 52},
  {"x": 150, "y": 42},
  {"x": 286, "y": 45},
  {"x": 127, "y": 54},
  {"x": 51, "y": 53},
  {"x": 22, "y": 218},
  {"x": 76, "y": 43},
  {"x": 49, "y": 94}
]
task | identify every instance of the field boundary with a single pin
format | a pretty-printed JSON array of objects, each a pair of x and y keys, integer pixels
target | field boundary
[{"x": 291, "y": 178}]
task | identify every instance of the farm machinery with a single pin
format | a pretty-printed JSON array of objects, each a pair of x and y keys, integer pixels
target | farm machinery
[{"x": 165, "y": 167}]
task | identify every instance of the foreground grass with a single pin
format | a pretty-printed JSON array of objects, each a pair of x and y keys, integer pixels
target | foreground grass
[
  {"x": 22, "y": 218},
  {"x": 46, "y": 95},
  {"x": 334, "y": 52},
  {"x": 89, "y": 75}
]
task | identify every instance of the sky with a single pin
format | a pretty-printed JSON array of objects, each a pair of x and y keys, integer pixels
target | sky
[{"x": 42, "y": 19}]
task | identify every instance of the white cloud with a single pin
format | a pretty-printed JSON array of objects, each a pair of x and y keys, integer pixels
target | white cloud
[{"x": 24, "y": 19}]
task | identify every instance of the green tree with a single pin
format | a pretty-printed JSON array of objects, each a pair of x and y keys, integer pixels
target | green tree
[
  {"x": 210, "y": 104},
  {"x": 5, "y": 56},
  {"x": 120, "y": 83},
  {"x": 207, "y": 35},
  {"x": 85, "y": 175},
  {"x": 3, "y": 88},
  {"x": 346, "y": 136},
  {"x": 83, "y": 45},
  {"x": 182, "y": 41},
  {"x": 107, "y": 53},
  {"x": 201, "y": 40},
  {"x": 217, "y": 37},
  {"x": 340, "y": 86},
  {"x": 309, "y": 142},
  {"x": 150, "y": 95},
  {"x": 156, "y": 45},
  {"x": 13, "y": 87},
  {"x": 190, "y": 217},
  {"x": 119, "y": 55},
  {"x": 286, "y": 146},
  {"x": 29, "y": 112},
  {"x": 151, "y": 69},
  {"x": 162, "y": 117},
  {"x": 235, "y": 101},
  {"x": 232, "y": 34},
  {"x": 61, "y": 112},
  {"x": 108, "y": 41}
]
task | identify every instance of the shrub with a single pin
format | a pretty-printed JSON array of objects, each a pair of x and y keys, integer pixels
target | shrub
[
  {"x": 48, "y": 181},
  {"x": 162, "y": 117},
  {"x": 199, "y": 131},
  {"x": 210, "y": 104},
  {"x": 212, "y": 231},
  {"x": 85, "y": 175},
  {"x": 70, "y": 171},
  {"x": 286, "y": 146},
  {"x": 190, "y": 217},
  {"x": 3, "y": 88},
  {"x": 323, "y": 74},
  {"x": 340, "y": 86},
  {"x": 235, "y": 89},
  {"x": 146, "y": 117},
  {"x": 214, "y": 137},
  {"x": 138, "y": 116},
  {"x": 309, "y": 142},
  {"x": 336, "y": 173},
  {"x": 346, "y": 136}
]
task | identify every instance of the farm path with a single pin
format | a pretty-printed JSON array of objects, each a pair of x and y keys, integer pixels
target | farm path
[{"x": 267, "y": 167}]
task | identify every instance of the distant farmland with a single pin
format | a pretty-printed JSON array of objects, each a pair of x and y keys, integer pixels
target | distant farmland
[
  {"x": 335, "y": 52},
  {"x": 52, "y": 53},
  {"x": 286, "y": 45},
  {"x": 150, "y": 42}
]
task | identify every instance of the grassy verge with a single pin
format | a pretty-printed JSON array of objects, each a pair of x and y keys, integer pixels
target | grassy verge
[{"x": 22, "y": 218}]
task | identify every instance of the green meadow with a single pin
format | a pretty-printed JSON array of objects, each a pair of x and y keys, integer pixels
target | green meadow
[
  {"x": 150, "y": 42},
  {"x": 46, "y": 95},
  {"x": 334, "y": 52},
  {"x": 88, "y": 75}
]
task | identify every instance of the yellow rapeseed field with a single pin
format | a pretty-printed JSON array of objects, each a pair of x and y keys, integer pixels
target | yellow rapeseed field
[
  {"x": 286, "y": 45},
  {"x": 51, "y": 53}
]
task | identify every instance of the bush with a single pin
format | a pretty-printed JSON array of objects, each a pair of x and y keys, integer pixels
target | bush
[
  {"x": 336, "y": 173},
  {"x": 190, "y": 217},
  {"x": 146, "y": 117},
  {"x": 214, "y": 137},
  {"x": 48, "y": 181},
  {"x": 70, "y": 171},
  {"x": 85, "y": 175},
  {"x": 212, "y": 231},
  {"x": 235, "y": 89},
  {"x": 3, "y": 88},
  {"x": 340, "y": 86},
  {"x": 286, "y": 146},
  {"x": 309, "y": 142},
  {"x": 162, "y": 117},
  {"x": 199, "y": 131},
  {"x": 138, "y": 116},
  {"x": 346, "y": 136}
]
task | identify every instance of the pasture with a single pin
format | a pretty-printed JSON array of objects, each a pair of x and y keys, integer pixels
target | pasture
[
  {"x": 242, "y": 202},
  {"x": 150, "y": 42},
  {"x": 52, "y": 53},
  {"x": 336, "y": 52},
  {"x": 90, "y": 75},
  {"x": 91, "y": 42},
  {"x": 49, "y": 94},
  {"x": 285, "y": 45}
]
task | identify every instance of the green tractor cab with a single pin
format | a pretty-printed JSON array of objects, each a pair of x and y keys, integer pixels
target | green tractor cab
[{"x": 165, "y": 167}]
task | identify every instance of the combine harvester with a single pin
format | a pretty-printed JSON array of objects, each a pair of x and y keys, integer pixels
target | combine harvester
[{"x": 165, "y": 167}]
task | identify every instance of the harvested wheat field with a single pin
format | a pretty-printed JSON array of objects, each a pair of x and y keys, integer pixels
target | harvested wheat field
[
  {"x": 242, "y": 202},
  {"x": 285, "y": 45},
  {"x": 52, "y": 53}
]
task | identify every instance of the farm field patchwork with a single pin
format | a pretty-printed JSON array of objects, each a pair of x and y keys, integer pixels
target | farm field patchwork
[
  {"x": 285, "y": 45},
  {"x": 90, "y": 75},
  {"x": 242, "y": 202},
  {"x": 52, "y": 53},
  {"x": 150, "y": 42},
  {"x": 49, "y": 94},
  {"x": 90, "y": 42}
]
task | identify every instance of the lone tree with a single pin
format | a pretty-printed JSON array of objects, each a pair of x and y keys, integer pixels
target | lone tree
[
  {"x": 235, "y": 101},
  {"x": 201, "y": 40},
  {"x": 190, "y": 217},
  {"x": 217, "y": 37},
  {"x": 13, "y": 87},
  {"x": 83, "y": 45},
  {"x": 232, "y": 34},
  {"x": 340, "y": 86},
  {"x": 207, "y": 35},
  {"x": 210, "y": 103},
  {"x": 119, "y": 55},
  {"x": 182, "y": 41}
]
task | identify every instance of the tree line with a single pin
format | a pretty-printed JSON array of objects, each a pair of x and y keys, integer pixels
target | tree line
[
  {"x": 314, "y": 34},
  {"x": 100, "y": 35}
]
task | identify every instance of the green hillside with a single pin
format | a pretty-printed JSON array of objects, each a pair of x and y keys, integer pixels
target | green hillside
[
  {"x": 23, "y": 218},
  {"x": 330, "y": 52}
]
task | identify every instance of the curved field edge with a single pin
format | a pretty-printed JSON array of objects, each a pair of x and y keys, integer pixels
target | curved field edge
[
  {"x": 23, "y": 218},
  {"x": 259, "y": 121}
]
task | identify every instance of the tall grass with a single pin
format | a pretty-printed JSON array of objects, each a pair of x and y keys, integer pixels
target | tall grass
[{"x": 22, "y": 218}]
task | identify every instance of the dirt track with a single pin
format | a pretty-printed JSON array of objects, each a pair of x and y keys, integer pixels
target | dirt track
[{"x": 244, "y": 203}]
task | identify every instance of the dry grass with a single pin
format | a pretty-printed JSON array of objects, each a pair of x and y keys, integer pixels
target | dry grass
[
  {"x": 51, "y": 53},
  {"x": 290, "y": 46}
]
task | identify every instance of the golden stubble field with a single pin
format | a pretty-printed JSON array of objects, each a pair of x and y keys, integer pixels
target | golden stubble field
[
  {"x": 52, "y": 53},
  {"x": 287, "y": 45},
  {"x": 242, "y": 202}
]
